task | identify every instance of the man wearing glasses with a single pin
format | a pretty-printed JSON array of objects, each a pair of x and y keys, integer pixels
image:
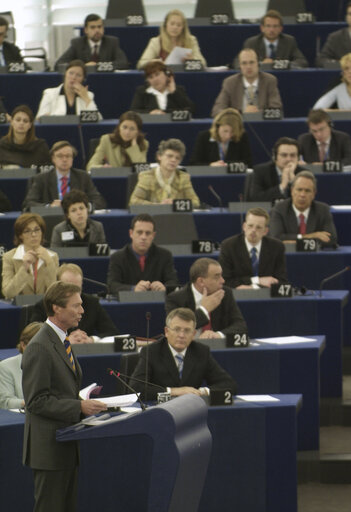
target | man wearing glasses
[
  {"x": 177, "y": 364},
  {"x": 48, "y": 188}
]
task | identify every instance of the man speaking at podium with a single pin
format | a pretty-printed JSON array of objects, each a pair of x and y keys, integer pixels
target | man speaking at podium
[
  {"x": 178, "y": 364},
  {"x": 51, "y": 382}
]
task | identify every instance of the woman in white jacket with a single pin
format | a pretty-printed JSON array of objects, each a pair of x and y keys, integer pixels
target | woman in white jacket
[{"x": 69, "y": 98}]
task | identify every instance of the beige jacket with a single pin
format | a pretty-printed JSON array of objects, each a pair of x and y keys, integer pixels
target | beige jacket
[
  {"x": 153, "y": 50},
  {"x": 106, "y": 152}
]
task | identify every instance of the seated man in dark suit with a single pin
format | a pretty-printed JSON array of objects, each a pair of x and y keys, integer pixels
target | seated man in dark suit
[
  {"x": 178, "y": 364},
  {"x": 272, "y": 45},
  {"x": 216, "y": 311},
  {"x": 252, "y": 259},
  {"x": 338, "y": 43},
  {"x": 303, "y": 217},
  {"x": 8, "y": 51},
  {"x": 323, "y": 142},
  {"x": 95, "y": 322},
  {"x": 272, "y": 180},
  {"x": 48, "y": 188},
  {"x": 141, "y": 266},
  {"x": 94, "y": 46}
]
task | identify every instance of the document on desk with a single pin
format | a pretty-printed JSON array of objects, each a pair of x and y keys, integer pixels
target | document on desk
[
  {"x": 258, "y": 398},
  {"x": 177, "y": 54},
  {"x": 286, "y": 340},
  {"x": 119, "y": 400}
]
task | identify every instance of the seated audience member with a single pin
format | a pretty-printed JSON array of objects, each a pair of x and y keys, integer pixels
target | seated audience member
[
  {"x": 323, "y": 142},
  {"x": 125, "y": 146},
  {"x": 69, "y": 98},
  {"x": 338, "y": 43},
  {"x": 173, "y": 32},
  {"x": 273, "y": 45},
  {"x": 253, "y": 259},
  {"x": 301, "y": 216},
  {"x": 11, "y": 394},
  {"x": 94, "y": 46},
  {"x": 165, "y": 182},
  {"x": 251, "y": 90},
  {"x": 341, "y": 94},
  {"x": 216, "y": 311},
  {"x": 95, "y": 322},
  {"x": 141, "y": 265},
  {"x": 160, "y": 94},
  {"x": 78, "y": 229},
  {"x": 8, "y": 51},
  {"x": 20, "y": 147},
  {"x": 29, "y": 268},
  {"x": 5, "y": 203},
  {"x": 226, "y": 141},
  {"x": 179, "y": 364},
  {"x": 272, "y": 180},
  {"x": 49, "y": 188}
]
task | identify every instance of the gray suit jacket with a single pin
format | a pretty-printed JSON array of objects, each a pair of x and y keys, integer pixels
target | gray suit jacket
[
  {"x": 339, "y": 149},
  {"x": 11, "y": 394},
  {"x": 286, "y": 49},
  {"x": 95, "y": 230},
  {"x": 336, "y": 46},
  {"x": 284, "y": 224},
  {"x": 110, "y": 51},
  {"x": 50, "y": 389},
  {"x": 232, "y": 93}
]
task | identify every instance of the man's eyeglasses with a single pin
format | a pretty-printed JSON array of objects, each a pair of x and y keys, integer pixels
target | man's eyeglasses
[{"x": 180, "y": 330}]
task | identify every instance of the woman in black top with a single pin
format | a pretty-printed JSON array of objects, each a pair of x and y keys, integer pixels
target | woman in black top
[
  {"x": 20, "y": 147},
  {"x": 226, "y": 141},
  {"x": 160, "y": 94}
]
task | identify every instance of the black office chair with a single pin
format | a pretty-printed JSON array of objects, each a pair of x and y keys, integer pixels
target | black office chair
[
  {"x": 248, "y": 186},
  {"x": 206, "y": 8},
  {"x": 132, "y": 180},
  {"x": 287, "y": 7},
  {"x": 93, "y": 144},
  {"x": 120, "y": 10}
]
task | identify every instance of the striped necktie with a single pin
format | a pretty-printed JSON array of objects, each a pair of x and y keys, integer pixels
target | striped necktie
[
  {"x": 69, "y": 353},
  {"x": 64, "y": 185},
  {"x": 180, "y": 364},
  {"x": 254, "y": 261}
]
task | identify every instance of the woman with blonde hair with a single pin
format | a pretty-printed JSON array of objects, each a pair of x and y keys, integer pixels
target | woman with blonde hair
[
  {"x": 173, "y": 32},
  {"x": 11, "y": 394},
  {"x": 341, "y": 94},
  {"x": 226, "y": 141}
]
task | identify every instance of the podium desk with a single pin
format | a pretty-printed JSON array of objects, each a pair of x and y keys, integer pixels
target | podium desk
[{"x": 252, "y": 465}]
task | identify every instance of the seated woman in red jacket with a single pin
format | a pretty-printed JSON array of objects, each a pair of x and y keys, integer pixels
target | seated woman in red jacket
[
  {"x": 160, "y": 94},
  {"x": 226, "y": 141}
]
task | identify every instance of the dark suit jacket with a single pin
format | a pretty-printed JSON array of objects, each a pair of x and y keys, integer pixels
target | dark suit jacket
[
  {"x": 5, "y": 203},
  {"x": 337, "y": 45},
  {"x": 44, "y": 189},
  {"x": 339, "y": 149},
  {"x": 199, "y": 366},
  {"x": 236, "y": 261},
  {"x": 232, "y": 93},
  {"x": 285, "y": 227},
  {"x": 206, "y": 150},
  {"x": 11, "y": 53},
  {"x": 286, "y": 49},
  {"x": 50, "y": 389},
  {"x": 124, "y": 270},
  {"x": 226, "y": 318},
  {"x": 95, "y": 319},
  {"x": 144, "y": 101},
  {"x": 265, "y": 183},
  {"x": 110, "y": 51}
]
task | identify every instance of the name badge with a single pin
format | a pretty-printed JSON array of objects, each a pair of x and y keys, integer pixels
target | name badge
[{"x": 66, "y": 236}]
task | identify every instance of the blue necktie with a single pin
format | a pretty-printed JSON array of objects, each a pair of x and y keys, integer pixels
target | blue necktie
[
  {"x": 254, "y": 261},
  {"x": 272, "y": 49},
  {"x": 180, "y": 364},
  {"x": 2, "y": 58}
]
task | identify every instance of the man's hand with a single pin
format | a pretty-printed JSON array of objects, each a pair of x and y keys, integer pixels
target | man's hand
[
  {"x": 79, "y": 336},
  {"x": 251, "y": 108},
  {"x": 324, "y": 236},
  {"x": 211, "y": 302},
  {"x": 267, "y": 281},
  {"x": 157, "y": 286},
  {"x": 288, "y": 174},
  {"x": 244, "y": 287},
  {"x": 90, "y": 407},
  {"x": 218, "y": 163},
  {"x": 185, "y": 390},
  {"x": 156, "y": 111},
  {"x": 56, "y": 202},
  {"x": 208, "y": 334},
  {"x": 142, "y": 286}
]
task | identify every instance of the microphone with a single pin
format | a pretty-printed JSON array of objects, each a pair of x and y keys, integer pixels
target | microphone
[
  {"x": 143, "y": 381},
  {"x": 330, "y": 278},
  {"x": 81, "y": 143},
  {"x": 217, "y": 196},
  {"x": 117, "y": 375},
  {"x": 148, "y": 318},
  {"x": 99, "y": 283}
]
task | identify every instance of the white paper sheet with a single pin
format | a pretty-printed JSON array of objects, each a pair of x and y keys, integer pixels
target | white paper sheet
[
  {"x": 258, "y": 398},
  {"x": 177, "y": 55},
  {"x": 286, "y": 340}
]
